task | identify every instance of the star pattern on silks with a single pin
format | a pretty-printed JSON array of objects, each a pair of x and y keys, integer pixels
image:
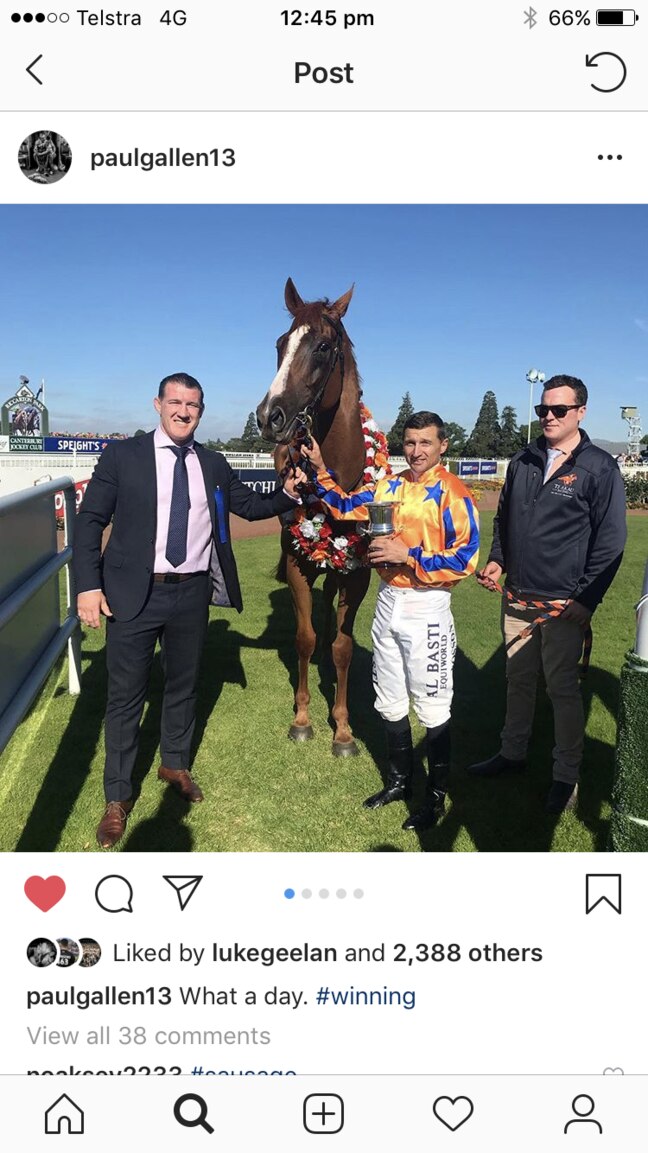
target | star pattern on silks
[
  {"x": 394, "y": 484},
  {"x": 434, "y": 492}
]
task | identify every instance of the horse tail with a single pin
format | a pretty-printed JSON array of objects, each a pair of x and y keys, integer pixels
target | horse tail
[{"x": 281, "y": 571}]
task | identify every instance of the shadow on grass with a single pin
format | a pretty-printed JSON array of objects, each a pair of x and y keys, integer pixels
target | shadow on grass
[
  {"x": 507, "y": 814},
  {"x": 70, "y": 765},
  {"x": 68, "y": 771},
  {"x": 499, "y": 815},
  {"x": 221, "y": 664},
  {"x": 165, "y": 831}
]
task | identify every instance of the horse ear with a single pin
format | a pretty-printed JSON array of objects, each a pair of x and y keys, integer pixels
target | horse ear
[
  {"x": 339, "y": 308},
  {"x": 292, "y": 298}
]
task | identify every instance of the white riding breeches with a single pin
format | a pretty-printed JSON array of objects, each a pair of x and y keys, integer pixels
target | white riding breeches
[{"x": 414, "y": 647}]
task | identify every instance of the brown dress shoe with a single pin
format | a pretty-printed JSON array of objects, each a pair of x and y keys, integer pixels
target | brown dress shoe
[
  {"x": 112, "y": 824},
  {"x": 182, "y": 783}
]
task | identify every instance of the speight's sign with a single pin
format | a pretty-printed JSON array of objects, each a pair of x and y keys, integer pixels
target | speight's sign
[
  {"x": 74, "y": 444},
  {"x": 24, "y": 419}
]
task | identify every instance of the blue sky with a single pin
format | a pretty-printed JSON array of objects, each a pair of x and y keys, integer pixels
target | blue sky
[{"x": 103, "y": 301}]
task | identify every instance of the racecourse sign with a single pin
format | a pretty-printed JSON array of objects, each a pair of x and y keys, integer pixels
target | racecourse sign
[
  {"x": 477, "y": 468},
  {"x": 24, "y": 419},
  {"x": 262, "y": 480},
  {"x": 74, "y": 444}
]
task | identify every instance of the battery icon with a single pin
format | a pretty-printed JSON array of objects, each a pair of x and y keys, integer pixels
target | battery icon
[{"x": 621, "y": 17}]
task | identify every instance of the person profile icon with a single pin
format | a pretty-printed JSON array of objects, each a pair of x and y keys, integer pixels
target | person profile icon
[{"x": 582, "y": 1106}]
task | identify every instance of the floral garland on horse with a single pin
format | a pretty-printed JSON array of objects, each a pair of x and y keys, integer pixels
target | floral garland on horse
[{"x": 319, "y": 540}]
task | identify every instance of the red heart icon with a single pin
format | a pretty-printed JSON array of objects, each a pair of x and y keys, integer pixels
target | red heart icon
[{"x": 44, "y": 892}]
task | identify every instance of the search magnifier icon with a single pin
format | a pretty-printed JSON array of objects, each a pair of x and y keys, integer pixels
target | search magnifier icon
[{"x": 192, "y": 1121}]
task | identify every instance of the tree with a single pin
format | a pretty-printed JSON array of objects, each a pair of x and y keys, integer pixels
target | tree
[
  {"x": 456, "y": 439},
  {"x": 523, "y": 433},
  {"x": 250, "y": 433},
  {"x": 510, "y": 433},
  {"x": 396, "y": 432},
  {"x": 250, "y": 440},
  {"x": 140, "y": 432},
  {"x": 484, "y": 440}
]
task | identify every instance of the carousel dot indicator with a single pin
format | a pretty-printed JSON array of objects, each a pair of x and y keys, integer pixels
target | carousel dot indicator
[
  {"x": 358, "y": 893},
  {"x": 289, "y": 894},
  {"x": 341, "y": 893},
  {"x": 307, "y": 894},
  {"x": 324, "y": 893}
]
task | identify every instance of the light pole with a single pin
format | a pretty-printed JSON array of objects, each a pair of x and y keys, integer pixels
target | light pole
[{"x": 533, "y": 377}]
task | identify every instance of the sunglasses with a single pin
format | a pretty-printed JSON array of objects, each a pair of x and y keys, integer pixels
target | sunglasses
[{"x": 559, "y": 410}]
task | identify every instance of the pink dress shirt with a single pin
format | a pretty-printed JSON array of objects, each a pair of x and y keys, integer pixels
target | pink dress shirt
[{"x": 199, "y": 532}]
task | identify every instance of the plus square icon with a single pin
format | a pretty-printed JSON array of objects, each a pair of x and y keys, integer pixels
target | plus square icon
[{"x": 323, "y": 1113}]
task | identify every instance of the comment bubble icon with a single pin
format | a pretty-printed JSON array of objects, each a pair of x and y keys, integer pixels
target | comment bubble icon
[{"x": 114, "y": 894}]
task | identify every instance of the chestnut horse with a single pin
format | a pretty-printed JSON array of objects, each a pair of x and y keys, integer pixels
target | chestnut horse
[{"x": 317, "y": 389}]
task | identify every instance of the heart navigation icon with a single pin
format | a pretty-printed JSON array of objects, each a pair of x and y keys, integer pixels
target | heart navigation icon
[
  {"x": 44, "y": 892},
  {"x": 453, "y": 1112}
]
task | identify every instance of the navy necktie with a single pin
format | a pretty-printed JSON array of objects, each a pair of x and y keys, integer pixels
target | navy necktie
[{"x": 176, "y": 547}]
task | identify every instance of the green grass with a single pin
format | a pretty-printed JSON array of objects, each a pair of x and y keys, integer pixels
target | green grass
[{"x": 263, "y": 792}]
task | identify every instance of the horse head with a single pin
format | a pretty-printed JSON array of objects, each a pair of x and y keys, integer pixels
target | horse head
[{"x": 310, "y": 365}]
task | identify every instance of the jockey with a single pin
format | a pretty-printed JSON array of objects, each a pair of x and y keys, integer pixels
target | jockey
[{"x": 435, "y": 544}]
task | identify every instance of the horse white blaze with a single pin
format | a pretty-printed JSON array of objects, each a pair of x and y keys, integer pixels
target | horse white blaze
[{"x": 279, "y": 383}]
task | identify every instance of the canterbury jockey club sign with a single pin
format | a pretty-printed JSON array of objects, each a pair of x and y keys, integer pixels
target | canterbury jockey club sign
[{"x": 24, "y": 419}]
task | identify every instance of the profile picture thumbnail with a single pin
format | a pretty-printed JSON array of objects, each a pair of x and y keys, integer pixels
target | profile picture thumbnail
[
  {"x": 41, "y": 952},
  {"x": 90, "y": 952},
  {"x": 44, "y": 157},
  {"x": 68, "y": 952}
]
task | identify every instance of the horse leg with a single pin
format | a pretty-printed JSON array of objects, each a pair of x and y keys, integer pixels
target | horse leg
[
  {"x": 352, "y": 591},
  {"x": 301, "y": 588},
  {"x": 329, "y": 593}
]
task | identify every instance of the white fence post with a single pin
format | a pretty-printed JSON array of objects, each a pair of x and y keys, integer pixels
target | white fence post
[{"x": 641, "y": 642}]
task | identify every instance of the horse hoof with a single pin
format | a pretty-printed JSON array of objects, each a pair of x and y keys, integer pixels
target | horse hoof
[
  {"x": 345, "y": 749},
  {"x": 300, "y": 732}
]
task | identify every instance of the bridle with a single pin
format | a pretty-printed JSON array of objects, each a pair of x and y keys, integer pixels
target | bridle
[{"x": 302, "y": 422}]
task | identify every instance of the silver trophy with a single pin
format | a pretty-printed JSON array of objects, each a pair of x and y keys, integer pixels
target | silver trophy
[{"x": 382, "y": 516}]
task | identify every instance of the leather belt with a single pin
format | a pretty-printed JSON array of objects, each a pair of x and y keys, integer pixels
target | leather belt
[{"x": 174, "y": 578}]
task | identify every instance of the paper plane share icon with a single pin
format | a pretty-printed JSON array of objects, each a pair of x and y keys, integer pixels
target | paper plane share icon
[{"x": 185, "y": 888}]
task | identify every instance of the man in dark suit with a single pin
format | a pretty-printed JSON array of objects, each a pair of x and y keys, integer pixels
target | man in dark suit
[{"x": 169, "y": 556}]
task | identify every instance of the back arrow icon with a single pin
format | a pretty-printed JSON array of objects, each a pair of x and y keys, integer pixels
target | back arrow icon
[
  {"x": 590, "y": 62},
  {"x": 30, "y": 66}
]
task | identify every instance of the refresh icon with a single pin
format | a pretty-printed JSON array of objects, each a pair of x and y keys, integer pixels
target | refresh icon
[{"x": 592, "y": 62}]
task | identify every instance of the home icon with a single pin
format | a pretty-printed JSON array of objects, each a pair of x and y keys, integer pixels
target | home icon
[{"x": 64, "y": 1116}]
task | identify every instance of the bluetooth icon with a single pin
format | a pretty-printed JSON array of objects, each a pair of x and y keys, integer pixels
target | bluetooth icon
[{"x": 530, "y": 17}]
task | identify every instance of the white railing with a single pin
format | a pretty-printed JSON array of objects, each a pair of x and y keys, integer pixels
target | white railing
[{"x": 32, "y": 635}]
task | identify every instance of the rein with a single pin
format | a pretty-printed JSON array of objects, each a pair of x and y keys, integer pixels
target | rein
[{"x": 548, "y": 610}]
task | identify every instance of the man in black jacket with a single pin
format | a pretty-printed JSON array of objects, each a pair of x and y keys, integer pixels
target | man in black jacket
[
  {"x": 559, "y": 536},
  {"x": 169, "y": 556}
]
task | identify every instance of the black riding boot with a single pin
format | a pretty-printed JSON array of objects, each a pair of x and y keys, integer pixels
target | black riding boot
[
  {"x": 438, "y": 756},
  {"x": 401, "y": 766}
]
